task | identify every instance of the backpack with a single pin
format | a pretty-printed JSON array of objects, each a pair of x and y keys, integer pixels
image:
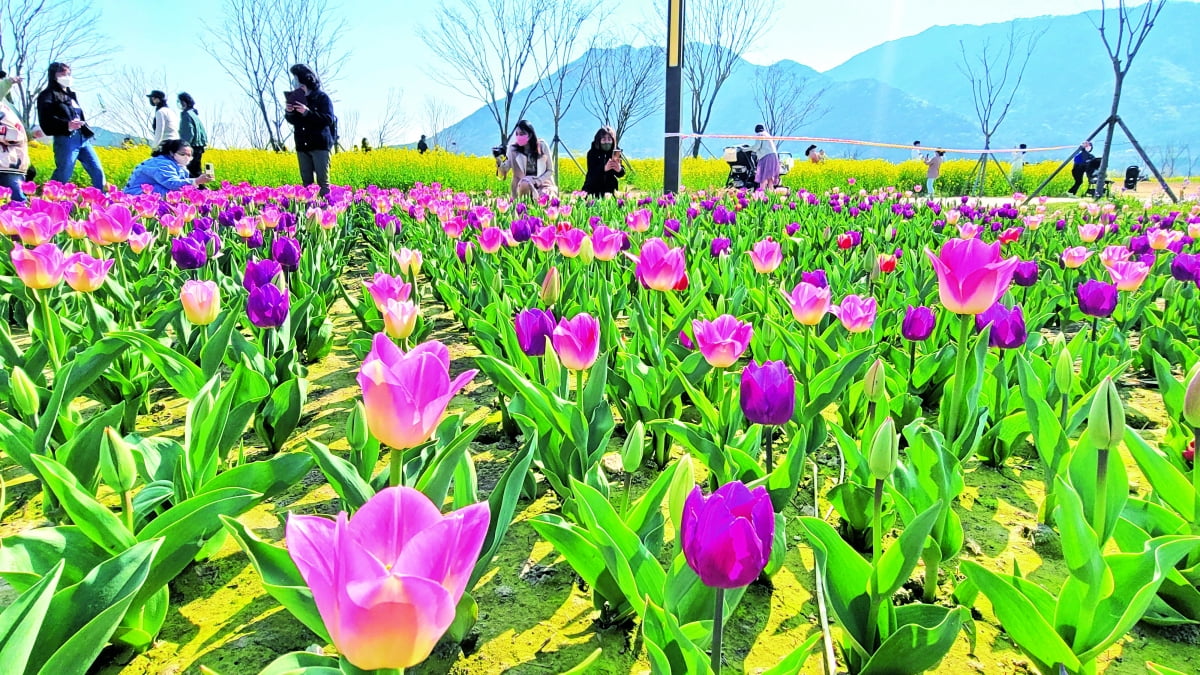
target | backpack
[{"x": 333, "y": 129}]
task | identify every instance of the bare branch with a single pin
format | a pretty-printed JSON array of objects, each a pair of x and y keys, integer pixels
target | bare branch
[
  {"x": 625, "y": 85},
  {"x": 995, "y": 76},
  {"x": 786, "y": 102}
]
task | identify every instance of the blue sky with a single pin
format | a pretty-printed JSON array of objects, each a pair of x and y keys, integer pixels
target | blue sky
[{"x": 385, "y": 48}]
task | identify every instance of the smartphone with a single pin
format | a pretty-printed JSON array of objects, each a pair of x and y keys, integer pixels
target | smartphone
[
  {"x": 617, "y": 154},
  {"x": 208, "y": 168}
]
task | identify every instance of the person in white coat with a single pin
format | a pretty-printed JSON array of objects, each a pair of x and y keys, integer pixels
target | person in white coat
[{"x": 165, "y": 123}]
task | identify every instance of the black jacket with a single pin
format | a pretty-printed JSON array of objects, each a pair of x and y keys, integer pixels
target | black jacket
[
  {"x": 598, "y": 181},
  {"x": 314, "y": 131},
  {"x": 55, "y": 111}
]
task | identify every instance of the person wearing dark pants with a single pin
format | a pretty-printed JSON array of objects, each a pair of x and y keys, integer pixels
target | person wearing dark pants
[
  {"x": 61, "y": 117},
  {"x": 192, "y": 132},
  {"x": 314, "y": 123},
  {"x": 1082, "y": 165}
]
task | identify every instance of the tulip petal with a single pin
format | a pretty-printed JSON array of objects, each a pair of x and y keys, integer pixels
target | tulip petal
[
  {"x": 311, "y": 544},
  {"x": 393, "y": 621},
  {"x": 447, "y": 551},
  {"x": 391, "y": 518}
]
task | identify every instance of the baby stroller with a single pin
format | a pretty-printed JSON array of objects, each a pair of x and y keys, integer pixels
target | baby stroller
[
  {"x": 743, "y": 162},
  {"x": 1133, "y": 176}
]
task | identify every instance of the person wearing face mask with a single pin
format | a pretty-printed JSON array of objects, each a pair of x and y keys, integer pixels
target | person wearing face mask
[
  {"x": 165, "y": 171},
  {"x": 192, "y": 132},
  {"x": 61, "y": 117},
  {"x": 603, "y": 164},
  {"x": 529, "y": 159},
  {"x": 14, "y": 144},
  {"x": 165, "y": 123},
  {"x": 314, "y": 127}
]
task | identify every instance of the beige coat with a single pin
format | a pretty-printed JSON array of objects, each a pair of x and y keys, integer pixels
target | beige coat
[{"x": 14, "y": 144}]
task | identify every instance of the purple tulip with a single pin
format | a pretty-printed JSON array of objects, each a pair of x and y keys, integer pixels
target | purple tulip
[
  {"x": 533, "y": 327},
  {"x": 721, "y": 246},
  {"x": 255, "y": 241},
  {"x": 188, "y": 253},
  {"x": 260, "y": 273},
  {"x": 1025, "y": 274},
  {"x": 1096, "y": 298},
  {"x": 267, "y": 306},
  {"x": 768, "y": 394},
  {"x": 286, "y": 252},
  {"x": 1186, "y": 267},
  {"x": 918, "y": 323},
  {"x": 1008, "y": 326},
  {"x": 463, "y": 249},
  {"x": 726, "y": 537},
  {"x": 816, "y": 278}
]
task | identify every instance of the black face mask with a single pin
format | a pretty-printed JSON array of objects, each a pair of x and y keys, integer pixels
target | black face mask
[{"x": 606, "y": 146}]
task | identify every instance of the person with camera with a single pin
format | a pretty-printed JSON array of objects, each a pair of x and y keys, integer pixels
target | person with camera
[
  {"x": 14, "y": 143},
  {"x": 603, "y": 164},
  {"x": 192, "y": 132},
  {"x": 166, "y": 170},
  {"x": 528, "y": 158},
  {"x": 61, "y": 117},
  {"x": 310, "y": 112}
]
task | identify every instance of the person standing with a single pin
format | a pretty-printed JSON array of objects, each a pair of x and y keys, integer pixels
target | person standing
[
  {"x": 934, "y": 162},
  {"x": 422, "y": 146},
  {"x": 312, "y": 121},
  {"x": 1082, "y": 165},
  {"x": 916, "y": 151},
  {"x": 192, "y": 132},
  {"x": 61, "y": 117},
  {"x": 165, "y": 123},
  {"x": 14, "y": 144},
  {"x": 767, "y": 173},
  {"x": 1018, "y": 163},
  {"x": 603, "y": 164}
]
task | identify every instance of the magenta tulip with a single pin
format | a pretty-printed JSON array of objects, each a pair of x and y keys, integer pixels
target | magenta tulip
[
  {"x": 36, "y": 229},
  {"x": 491, "y": 240},
  {"x": 766, "y": 255},
  {"x": 659, "y": 266},
  {"x": 809, "y": 303},
  {"x": 726, "y": 537},
  {"x": 577, "y": 341},
  {"x": 723, "y": 341},
  {"x": 971, "y": 274},
  {"x": 85, "y": 273},
  {"x": 40, "y": 267},
  {"x": 384, "y": 287},
  {"x": 405, "y": 395},
  {"x": 856, "y": 313},
  {"x": 386, "y": 582},
  {"x": 607, "y": 243}
]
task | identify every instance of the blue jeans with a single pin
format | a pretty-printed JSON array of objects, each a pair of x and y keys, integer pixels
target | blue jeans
[
  {"x": 12, "y": 181},
  {"x": 69, "y": 148}
]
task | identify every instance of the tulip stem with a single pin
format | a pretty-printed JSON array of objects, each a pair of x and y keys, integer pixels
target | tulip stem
[
  {"x": 956, "y": 394},
  {"x": 395, "y": 465},
  {"x": 128, "y": 509},
  {"x": 43, "y": 299},
  {"x": 718, "y": 630},
  {"x": 579, "y": 396},
  {"x": 770, "y": 431},
  {"x": 912, "y": 363}
]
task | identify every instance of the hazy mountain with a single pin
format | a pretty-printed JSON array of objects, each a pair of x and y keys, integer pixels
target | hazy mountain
[{"x": 913, "y": 88}]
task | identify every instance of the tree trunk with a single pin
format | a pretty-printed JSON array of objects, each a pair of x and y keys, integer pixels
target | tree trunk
[{"x": 1102, "y": 173}]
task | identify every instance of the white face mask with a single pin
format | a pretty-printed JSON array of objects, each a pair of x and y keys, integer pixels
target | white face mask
[
  {"x": 65, "y": 81},
  {"x": 295, "y": 83}
]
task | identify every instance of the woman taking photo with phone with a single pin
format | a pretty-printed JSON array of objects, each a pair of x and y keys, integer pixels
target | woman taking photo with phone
[
  {"x": 311, "y": 115},
  {"x": 60, "y": 116},
  {"x": 165, "y": 171},
  {"x": 603, "y": 164},
  {"x": 528, "y": 157}
]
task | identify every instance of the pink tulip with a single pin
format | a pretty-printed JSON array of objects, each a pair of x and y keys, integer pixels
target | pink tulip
[
  {"x": 723, "y": 341},
  {"x": 406, "y": 395},
  {"x": 386, "y": 582},
  {"x": 1128, "y": 275},
  {"x": 1074, "y": 257},
  {"x": 545, "y": 239},
  {"x": 410, "y": 261},
  {"x": 659, "y": 266},
  {"x": 607, "y": 242},
  {"x": 384, "y": 287},
  {"x": 491, "y": 239},
  {"x": 639, "y": 221},
  {"x": 952, "y": 217},
  {"x": 1090, "y": 232},
  {"x": 41, "y": 267},
  {"x": 36, "y": 229},
  {"x": 400, "y": 318},
  {"x": 766, "y": 255},
  {"x": 1114, "y": 254},
  {"x": 809, "y": 303},
  {"x": 112, "y": 225},
  {"x": 85, "y": 273},
  {"x": 1159, "y": 239},
  {"x": 201, "y": 301},
  {"x": 577, "y": 341},
  {"x": 139, "y": 242},
  {"x": 246, "y": 227},
  {"x": 856, "y": 313},
  {"x": 570, "y": 242},
  {"x": 971, "y": 274}
]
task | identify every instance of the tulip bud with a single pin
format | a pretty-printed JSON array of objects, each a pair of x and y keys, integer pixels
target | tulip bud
[
  {"x": 875, "y": 383},
  {"x": 117, "y": 467},
  {"x": 1064, "y": 371},
  {"x": 587, "y": 250},
  {"x": 1106, "y": 419},
  {"x": 885, "y": 450},
  {"x": 551, "y": 287},
  {"x": 1191, "y": 400},
  {"x": 356, "y": 427},
  {"x": 25, "y": 393},
  {"x": 873, "y": 256}
]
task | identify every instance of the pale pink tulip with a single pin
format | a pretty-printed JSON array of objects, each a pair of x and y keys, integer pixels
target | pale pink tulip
[{"x": 723, "y": 341}]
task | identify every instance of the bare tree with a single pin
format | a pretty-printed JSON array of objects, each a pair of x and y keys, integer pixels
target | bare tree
[
  {"x": 126, "y": 109},
  {"x": 439, "y": 120},
  {"x": 35, "y": 33},
  {"x": 250, "y": 130},
  {"x": 487, "y": 47},
  {"x": 260, "y": 39},
  {"x": 787, "y": 102},
  {"x": 557, "y": 56},
  {"x": 392, "y": 120},
  {"x": 349, "y": 125},
  {"x": 995, "y": 74},
  {"x": 625, "y": 86},
  {"x": 218, "y": 125},
  {"x": 1133, "y": 26},
  {"x": 719, "y": 33}
]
